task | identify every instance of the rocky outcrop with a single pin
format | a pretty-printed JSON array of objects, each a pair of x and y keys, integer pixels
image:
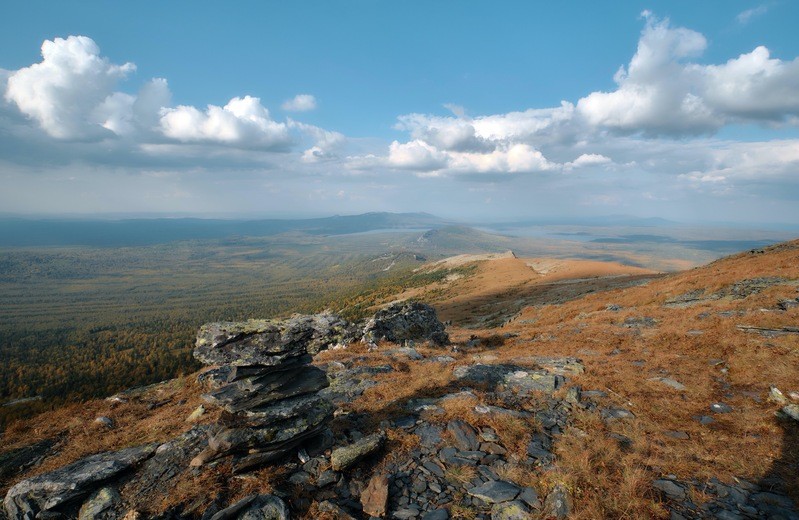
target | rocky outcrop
[
  {"x": 742, "y": 500},
  {"x": 405, "y": 321},
  {"x": 269, "y": 342},
  {"x": 267, "y": 386},
  {"x": 38, "y": 496},
  {"x": 514, "y": 378},
  {"x": 16, "y": 461},
  {"x": 344, "y": 457}
]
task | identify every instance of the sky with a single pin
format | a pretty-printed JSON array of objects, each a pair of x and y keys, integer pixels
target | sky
[{"x": 479, "y": 111}]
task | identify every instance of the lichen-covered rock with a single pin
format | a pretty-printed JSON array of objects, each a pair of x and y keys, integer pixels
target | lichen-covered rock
[
  {"x": 515, "y": 510},
  {"x": 167, "y": 464},
  {"x": 558, "y": 503},
  {"x": 49, "y": 491},
  {"x": 260, "y": 390},
  {"x": 100, "y": 504},
  {"x": 343, "y": 458},
  {"x": 405, "y": 321},
  {"x": 252, "y": 342},
  {"x": 255, "y": 507},
  {"x": 792, "y": 411},
  {"x": 268, "y": 440},
  {"x": 269, "y": 342},
  {"x": 515, "y": 378}
]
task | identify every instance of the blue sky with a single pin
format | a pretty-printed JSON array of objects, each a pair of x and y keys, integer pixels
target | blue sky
[{"x": 486, "y": 110}]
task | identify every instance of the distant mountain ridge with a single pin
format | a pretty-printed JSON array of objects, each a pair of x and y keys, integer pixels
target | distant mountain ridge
[{"x": 140, "y": 232}]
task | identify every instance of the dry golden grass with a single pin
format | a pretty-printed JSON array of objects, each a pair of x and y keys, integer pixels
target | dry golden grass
[
  {"x": 460, "y": 474},
  {"x": 134, "y": 423}
]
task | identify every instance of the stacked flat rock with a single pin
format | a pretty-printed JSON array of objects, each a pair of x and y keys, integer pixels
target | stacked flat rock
[{"x": 265, "y": 381}]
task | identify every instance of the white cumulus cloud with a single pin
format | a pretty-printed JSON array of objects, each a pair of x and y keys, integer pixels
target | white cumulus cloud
[
  {"x": 70, "y": 93},
  {"x": 662, "y": 93},
  {"x": 242, "y": 122}
]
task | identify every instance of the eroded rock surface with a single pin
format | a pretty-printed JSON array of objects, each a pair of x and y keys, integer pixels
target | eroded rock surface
[
  {"x": 50, "y": 492},
  {"x": 405, "y": 321}
]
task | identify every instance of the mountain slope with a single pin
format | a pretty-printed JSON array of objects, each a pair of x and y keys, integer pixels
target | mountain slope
[{"x": 663, "y": 401}]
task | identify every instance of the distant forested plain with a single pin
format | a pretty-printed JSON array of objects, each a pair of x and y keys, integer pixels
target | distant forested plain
[{"x": 82, "y": 322}]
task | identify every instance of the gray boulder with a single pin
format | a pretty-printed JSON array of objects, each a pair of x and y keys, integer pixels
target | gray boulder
[
  {"x": 269, "y": 342},
  {"x": 403, "y": 321},
  {"x": 255, "y": 507},
  {"x": 515, "y": 378},
  {"x": 262, "y": 390},
  {"x": 558, "y": 503},
  {"x": 515, "y": 510},
  {"x": 100, "y": 505},
  {"x": 51, "y": 491},
  {"x": 495, "y": 491},
  {"x": 168, "y": 463},
  {"x": 344, "y": 457}
]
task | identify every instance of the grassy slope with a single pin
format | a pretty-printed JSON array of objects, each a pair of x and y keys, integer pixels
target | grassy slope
[{"x": 685, "y": 344}]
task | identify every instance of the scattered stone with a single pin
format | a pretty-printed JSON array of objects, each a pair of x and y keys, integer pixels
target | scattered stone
[
  {"x": 46, "y": 493},
  {"x": 408, "y": 352},
  {"x": 337, "y": 512},
  {"x": 436, "y": 514},
  {"x": 669, "y": 382},
  {"x": 104, "y": 421},
  {"x": 639, "y": 322},
  {"x": 104, "y": 499},
  {"x": 375, "y": 497},
  {"x": 612, "y": 414},
  {"x": 530, "y": 497},
  {"x": 515, "y": 510},
  {"x": 169, "y": 460},
  {"x": 343, "y": 458},
  {"x": 464, "y": 435},
  {"x": 776, "y": 396},
  {"x": 769, "y": 332},
  {"x": 255, "y": 507},
  {"x": 720, "y": 408},
  {"x": 704, "y": 419},
  {"x": 748, "y": 287},
  {"x": 670, "y": 488},
  {"x": 784, "y": 305},
  {"x": 405, "y": 321},
  {"x": 16, "y": 461},
  {"x": 495, "y": 491},
  {"x": 558, "y": 503},
  {"x": 514, "y": 378},
  {"x": 196, "y": 414},
  {"x": 573, "y": 395},
  {"x": 429, "y": 435},
  {"x": 792, "y": 411}
]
